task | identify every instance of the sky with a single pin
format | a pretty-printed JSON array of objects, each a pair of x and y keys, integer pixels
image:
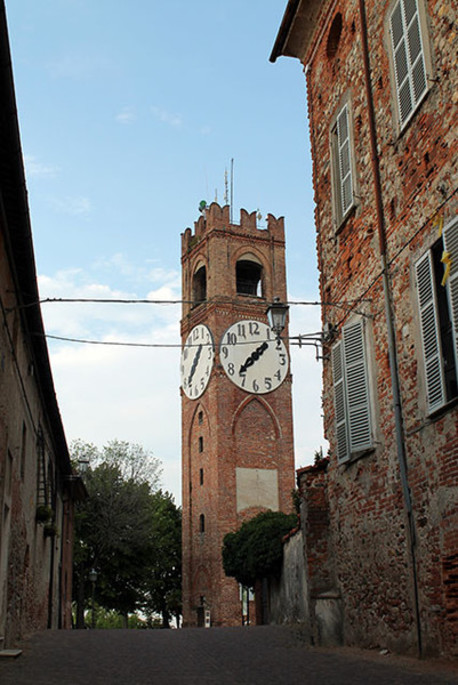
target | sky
[{"x": 130, "y": 113}]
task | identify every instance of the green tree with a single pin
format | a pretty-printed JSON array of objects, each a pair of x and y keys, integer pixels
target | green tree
[
  {"x": 255, "y": 551},
  {"x": 163, "y": 590},
  {"x": 113, "y": 527}
]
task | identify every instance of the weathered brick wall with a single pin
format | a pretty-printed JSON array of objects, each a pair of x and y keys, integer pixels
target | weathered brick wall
[
  {"x": 418, "y": 179},
  {"x": 238, "y": 430},
  {"x": 25, "y": 553}
]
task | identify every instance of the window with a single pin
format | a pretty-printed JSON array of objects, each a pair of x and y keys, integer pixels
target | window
[
  {"x": 201, "y": 476},
  {"x": 200, "y": 417},
  {"x": 341, "y": 147},
  {"x": 202, "y": 523},
  {"x": 437, "y": 292},
  {"x": 248, "y": 277},
  {"x": 201, "y": 444},
  {"x": 199, "y": 286},
  {"x": 334, "y": 36},
  {"x": 351, "y": 393},
  {"x": 408, "y": 58}
]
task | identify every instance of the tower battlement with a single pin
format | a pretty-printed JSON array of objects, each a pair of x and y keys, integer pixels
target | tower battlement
[{"x": 218, "y": 218}]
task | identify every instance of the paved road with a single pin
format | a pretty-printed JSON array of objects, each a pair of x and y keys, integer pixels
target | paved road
[{"x": 264, "y": 655}]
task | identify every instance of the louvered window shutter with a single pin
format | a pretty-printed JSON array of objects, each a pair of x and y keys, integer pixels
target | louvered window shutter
[
  {"x": 409, "y": 60},
  {"x": 343, "y": 452},
  {"x": 344, "y": 170},
  {"x": 435, "y": 388},
  {"x": 357, "y": 391},
  {"x": 451, "y": 246}
]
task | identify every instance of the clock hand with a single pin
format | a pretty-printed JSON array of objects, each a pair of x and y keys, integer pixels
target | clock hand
[
  {"x": 254, "y": 356},
  {"x": 194, "y": 364}
]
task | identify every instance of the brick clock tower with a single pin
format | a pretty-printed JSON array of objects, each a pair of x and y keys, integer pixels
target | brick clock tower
[{"x": 237, "y": 434}]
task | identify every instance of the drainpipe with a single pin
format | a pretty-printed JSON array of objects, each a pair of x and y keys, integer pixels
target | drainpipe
[{"x": 399, "y": 431}]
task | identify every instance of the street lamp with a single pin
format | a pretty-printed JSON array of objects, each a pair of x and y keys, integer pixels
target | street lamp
[
  {"x": 276, "y": 315},
  {"x": 93, "y": 578}
]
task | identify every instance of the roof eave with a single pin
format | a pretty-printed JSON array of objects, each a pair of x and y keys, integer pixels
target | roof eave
[{"x": 296, "y": 31}]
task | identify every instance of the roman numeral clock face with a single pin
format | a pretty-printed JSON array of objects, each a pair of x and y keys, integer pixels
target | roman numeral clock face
[
  {"x": 252, "y": 358},
  {"x": 197, "y": 361}
]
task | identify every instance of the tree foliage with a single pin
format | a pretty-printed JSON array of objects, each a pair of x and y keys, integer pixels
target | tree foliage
[
  {"x": 255, "y": 551},
  {"x": 123, "y": 530},
  {"x": 163, "y": 592}
]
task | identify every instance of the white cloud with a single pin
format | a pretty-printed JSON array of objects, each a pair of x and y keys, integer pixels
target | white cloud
[
  {"x": 174, "y": 120},
  {"x": 132, "y": 393},
  {"x": 126, "y": 116},
  {"x": 75, "y": 206},
  {"x": 106, "y": 392},
  {"x": 306, "y": 370},
  {"x": 79, "y": 66},
  {"x": 35, "y": 168}
]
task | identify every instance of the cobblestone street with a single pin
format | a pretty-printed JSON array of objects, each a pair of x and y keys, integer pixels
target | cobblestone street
[{"x": 257, "y": 656}]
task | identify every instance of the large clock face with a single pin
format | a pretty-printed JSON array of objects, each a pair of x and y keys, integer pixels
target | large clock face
[
  {"x": 253, "y": 358},
  {"x": 196, "y": 361}
]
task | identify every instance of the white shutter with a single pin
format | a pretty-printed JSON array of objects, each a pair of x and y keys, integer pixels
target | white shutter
[
  {"x": 344, "y": 160},
  {"x": 339, "y": 403},
  {"x": 357, "y": 391},
  {"x": 435, "y": 388},
  {"x": 451, "y": 246},
  {"x": 408, "y": 55}
]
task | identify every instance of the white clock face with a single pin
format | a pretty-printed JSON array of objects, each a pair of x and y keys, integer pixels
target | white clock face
[
  {"x": 253, "y": 358},
  {"x": 196, "y": 361}
]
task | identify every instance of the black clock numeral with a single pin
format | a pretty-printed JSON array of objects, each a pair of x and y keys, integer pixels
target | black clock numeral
[
  {"x": 268, "y": 383},
  {"x": 231, "y": 339},
  {"x": 253, "y": 328},
  {"x": 243, "y": 377},
  {"x": 195, "y": 334},
  {"x": 282, "y": 359},
  {"x": 278, "y": 375},
  {"x": 225, "y": 352},
  {"x": 255, "y": 385},
  {"x": 241, "y": 330},
  {"x": 231, "y": 369}
]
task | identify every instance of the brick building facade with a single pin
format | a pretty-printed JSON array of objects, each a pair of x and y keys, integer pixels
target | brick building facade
[
  {"x": 237, "y": 437},
  {"x": 37, "y": 485},
  {"x": 382, "y": 99}
]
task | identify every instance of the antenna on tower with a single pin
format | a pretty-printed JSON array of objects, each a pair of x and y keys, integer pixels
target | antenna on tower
[
  {"x": 232, "y": 187},
  {"x": 226, "y": 195}
]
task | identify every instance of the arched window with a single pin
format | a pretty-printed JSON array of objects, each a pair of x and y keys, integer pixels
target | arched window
[
  {"x": 199, "y": 286},
  {"x": 248, "y": 278},
  {"x": 202, "y": 523}
]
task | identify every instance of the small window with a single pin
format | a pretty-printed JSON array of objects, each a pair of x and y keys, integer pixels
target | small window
[
  {"x": 408, "y": 58},
  {"x": 199, "y": 286},
  {"x": 334, "y": 36},
  {"x": 437, "y": 290},
  {"x": 200, "y": 418},
  {"x": 202, "y": 523},
  {"x": 248, "y": 276},
  {"x": 201, "y": 476},
  {"x": 342, "y": 164},
  {"x": 201, "y": 444},
  {"x": 351, "y": 393}
]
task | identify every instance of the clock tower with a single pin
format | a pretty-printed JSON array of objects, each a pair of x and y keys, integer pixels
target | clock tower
[{"x": 237, "y": 434}]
